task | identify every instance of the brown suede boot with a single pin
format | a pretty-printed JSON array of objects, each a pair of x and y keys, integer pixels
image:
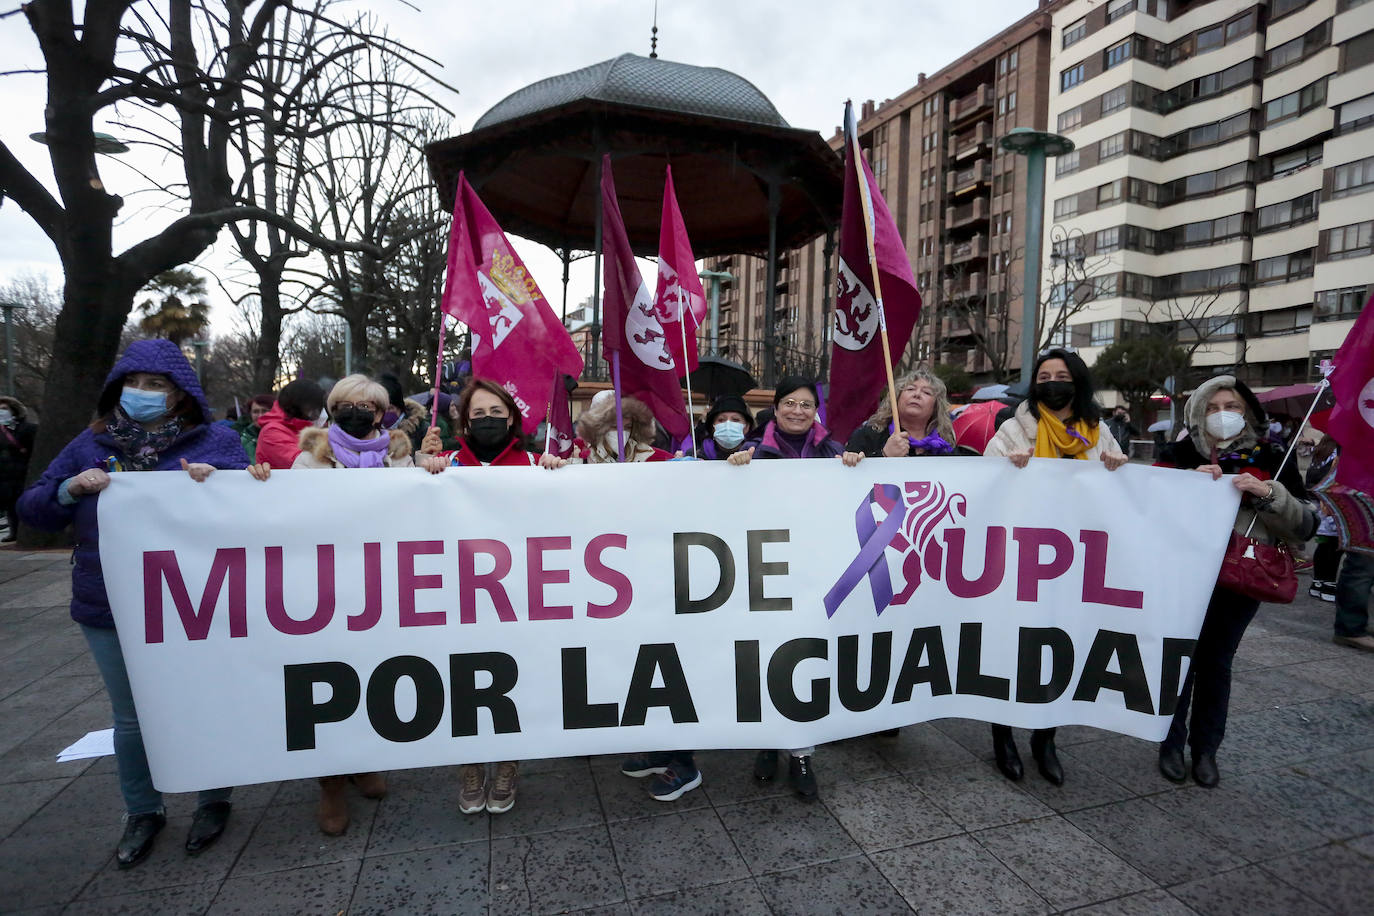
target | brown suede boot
[
  {"x": 372, "y": 785},
  {"x": 332, "y": 815}
]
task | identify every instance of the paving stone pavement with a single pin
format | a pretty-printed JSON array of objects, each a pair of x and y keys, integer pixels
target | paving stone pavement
[{"x": 917, "y": 823}]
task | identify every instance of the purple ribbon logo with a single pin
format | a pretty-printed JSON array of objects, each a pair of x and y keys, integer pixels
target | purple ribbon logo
[{"x": 909, "y": 526}]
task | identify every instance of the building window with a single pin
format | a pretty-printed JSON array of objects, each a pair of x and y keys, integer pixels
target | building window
[
  {"x": 1102, "y": 333},
  {"x": 1075, "y": 31},
  {"x": 1355, "y": 114},
  {"x": 1352, "y": 178},
  {"x": 1284, "y": 7},
  {"x": 1066, "y": 206},
  {"x": 1118, "y": 8},
  {"x": 1357, "y": 52},
  {"x": 1072, "y": 76},
  {"x": 1107, "y": 240},
  {"x": 1110, "y": 192},
  {"x": 1284, "y": 268},
  {"x": 1339, "y": 304},
  {"x": 1290, "y": 52},
  {"x": 1116, "y": 54},
  {"x": 1070, "y": 119},
  {"x": 1111, "y": 147},
  {"x": 1353, "y": 241},
  {"x": 1295, "y": 104},
  {"x": 1115, "y": 99},
  {"x": 1066, "y": 164},
  {"x": 1287, "y": 213},
  {"x": 1210, "y": 39}
]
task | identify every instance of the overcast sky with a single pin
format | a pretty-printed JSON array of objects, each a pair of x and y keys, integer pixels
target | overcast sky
[{"x": 805, "y": 56}]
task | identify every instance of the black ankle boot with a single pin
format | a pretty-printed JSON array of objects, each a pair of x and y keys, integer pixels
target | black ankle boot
[
  {"x": 766, "y": 766},
  {"x": 802, "y": 777},
  {"x": 1171, "y": 764},
  {"x": 1205, "y": 770},
  {"x": 1004, "y": 748},
  {"x": 1046, "y": 760},
  {"x": 139, "y": 832}
]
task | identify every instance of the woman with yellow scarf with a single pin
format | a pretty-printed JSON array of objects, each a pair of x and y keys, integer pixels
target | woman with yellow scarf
[{"x": 1058, "y": 420}]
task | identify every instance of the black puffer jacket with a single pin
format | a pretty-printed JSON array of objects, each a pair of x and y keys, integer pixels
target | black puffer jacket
[{"x": 16, "y": 445}]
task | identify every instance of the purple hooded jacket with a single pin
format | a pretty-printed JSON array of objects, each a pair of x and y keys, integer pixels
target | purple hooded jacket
[
  {"x": 818, "y": 443},
  {"x": 204, "y": 442}
]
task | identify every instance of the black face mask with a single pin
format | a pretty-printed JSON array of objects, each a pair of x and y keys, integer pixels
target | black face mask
[
  {"x": 1054, "y": 395},
  {"x": 489, "y": 432},
  {"x": 355, "y": 421}
]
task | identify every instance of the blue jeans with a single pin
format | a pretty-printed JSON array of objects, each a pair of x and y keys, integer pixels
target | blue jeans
[
  {"x": 1352, "y": 594},
  {"x": 135, "y": 780}
]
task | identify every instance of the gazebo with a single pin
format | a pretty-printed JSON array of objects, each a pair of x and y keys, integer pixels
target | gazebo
[{"x": 746, "y": 180}]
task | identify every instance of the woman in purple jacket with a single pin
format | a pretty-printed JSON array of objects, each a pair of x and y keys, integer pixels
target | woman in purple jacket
[
  {"x": 151, "y": 416},
  {"x": 794, "y": 432}
]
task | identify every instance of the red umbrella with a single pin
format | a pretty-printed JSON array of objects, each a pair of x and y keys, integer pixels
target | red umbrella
[
  {"x": 976, "y": 424},
  {"x": 1294, "y": 400}
]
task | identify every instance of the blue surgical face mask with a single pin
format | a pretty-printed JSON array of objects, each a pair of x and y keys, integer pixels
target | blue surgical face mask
[
  {"x": 729, "y": 433},
  {"x": 143, "y": 406}
]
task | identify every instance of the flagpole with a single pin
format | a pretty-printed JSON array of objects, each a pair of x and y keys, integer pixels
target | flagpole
[
  {"x": 1321, "y": 386},
  {"x": 682, "y": 326},
  {"x": 866, "y": 201},
  {"x": 438, "y": 368},
  {"x": 619, "y": 416}
]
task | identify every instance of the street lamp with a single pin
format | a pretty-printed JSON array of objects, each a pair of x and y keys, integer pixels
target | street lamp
[
  {"x": 718, "y": 279},
  {"x": 9, "y": 308},
  {"x": 104, "y": 143},
  {"x": 1035, "y": 145},
  {"x": 1067, "y": 249}
]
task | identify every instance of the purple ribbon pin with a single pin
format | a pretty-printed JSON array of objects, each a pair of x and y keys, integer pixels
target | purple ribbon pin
[{"x": 873, "y": 540}]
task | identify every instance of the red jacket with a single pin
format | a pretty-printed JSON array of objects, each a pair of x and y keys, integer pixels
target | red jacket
[
  {"x": 279, "y": 441},
  {"x": 513, "y": 455}
]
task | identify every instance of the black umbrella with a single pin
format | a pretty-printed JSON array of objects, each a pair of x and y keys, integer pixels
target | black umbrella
[{"x": 715, "y": 376}]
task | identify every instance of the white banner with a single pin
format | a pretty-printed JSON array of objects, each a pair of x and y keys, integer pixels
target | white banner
[{"x": 351, "y": 621}]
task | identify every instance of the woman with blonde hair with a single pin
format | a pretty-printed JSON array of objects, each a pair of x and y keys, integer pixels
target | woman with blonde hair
[
  {"x": 922, "y": 428},
  {"x": 597, "y": 428},
  {"x": 353, "y": 439}
]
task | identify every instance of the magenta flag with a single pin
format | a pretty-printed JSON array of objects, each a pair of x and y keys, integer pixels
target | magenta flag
[
  {"x": 1352, "y": 419},
  {"x": 559, "y": 440},
  {"x": 630, "y": 325},
  {"x": 857, "y": 374},
  {"x": 680, "y": 301},
  {"x": 518, "y": 341}
]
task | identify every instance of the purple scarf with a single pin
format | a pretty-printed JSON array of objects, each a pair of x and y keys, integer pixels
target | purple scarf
[
  {"x": 934, "y": 444},
  {"x": 358, "y": 453}
]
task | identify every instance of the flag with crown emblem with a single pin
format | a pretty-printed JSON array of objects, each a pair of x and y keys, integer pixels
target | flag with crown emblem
[
  {"x": 517, "y": 340},
  {"x": 680, "y": 300},
  {"x": 857, "y": 373}
]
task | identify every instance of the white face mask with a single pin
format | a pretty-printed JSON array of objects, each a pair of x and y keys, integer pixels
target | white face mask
[
  {"x": 6, "y": 416},
  {"x": 1225, "y": 425}
]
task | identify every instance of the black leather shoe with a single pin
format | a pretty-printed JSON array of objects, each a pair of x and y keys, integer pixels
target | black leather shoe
[
  {"x": 207, "y": 825},
  {"x": 1171, "y": 764},
  {"x": 766, "y": 766},
  {"x": 1205, "y": 770},
  {"x": 1046, "y": 760},
  {"x": 139, "y": 832},
  {"x": 1004, "y": 748},
  {"x": 802, "y": 777}
]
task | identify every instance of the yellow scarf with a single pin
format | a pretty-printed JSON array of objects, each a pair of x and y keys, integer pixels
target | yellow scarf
[{"x": 1055, "y": 440}]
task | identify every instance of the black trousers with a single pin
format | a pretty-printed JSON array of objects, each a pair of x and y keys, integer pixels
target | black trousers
[{"x": 1207, "y": 688}]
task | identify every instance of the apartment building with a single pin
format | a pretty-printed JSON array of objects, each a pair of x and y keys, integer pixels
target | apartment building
[
  {"x": 1219, "y": 183},
  {"x": 959, "y": 203}
]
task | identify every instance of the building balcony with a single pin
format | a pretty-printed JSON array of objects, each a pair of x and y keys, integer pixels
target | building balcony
[
  {"x": 976, "y": 102},
  {"x": 968, "y": 180},
  {"x": 974, "y": 249},
  {"x": 973, "y": 142},
  {"x": 966, "y": 287},
  {"x": 968, "y": 215}
]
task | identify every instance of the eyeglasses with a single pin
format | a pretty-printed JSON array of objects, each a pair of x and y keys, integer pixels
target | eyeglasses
[
  {"x": 1063, "y": 349},
  {"x": 794, "y": 404},
  {"x": 361, "y": 405}
]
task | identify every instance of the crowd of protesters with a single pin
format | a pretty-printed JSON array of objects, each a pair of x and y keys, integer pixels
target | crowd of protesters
[{"x": 153, "y": 416}]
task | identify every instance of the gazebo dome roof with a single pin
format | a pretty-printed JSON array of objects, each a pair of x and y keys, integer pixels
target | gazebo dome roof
[{"x": 644, "y": 82}]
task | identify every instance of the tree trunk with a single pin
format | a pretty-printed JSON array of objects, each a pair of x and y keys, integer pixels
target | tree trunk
[{"x": 267, "y": 356}]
